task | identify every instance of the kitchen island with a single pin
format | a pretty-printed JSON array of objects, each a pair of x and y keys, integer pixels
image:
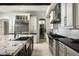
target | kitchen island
[{"x": 17, "y": 47}]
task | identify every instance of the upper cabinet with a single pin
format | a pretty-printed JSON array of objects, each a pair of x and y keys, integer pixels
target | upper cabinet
[
  {"x": 66, "y": 13},
  {"x": 77, "y": 15},
  {"x": 22, "y": 21},
  {"x": 69, "y": 15},
  {"x": 22, "y": 18},
  {"x": 63, "y": 14}
]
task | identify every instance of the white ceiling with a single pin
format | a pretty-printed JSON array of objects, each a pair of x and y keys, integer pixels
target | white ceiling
[
  {"x": 36, "y": 10},
  {"x": 23, "y": 8}
]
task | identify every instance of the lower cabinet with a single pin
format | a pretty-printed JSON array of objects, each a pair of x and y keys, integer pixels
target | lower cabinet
[
  {"x": 22, "y": 52},
  {"x": 29, "y": 46},
  {"x": 53, "y": 46},
  {"x": 71, "y": 52},
  {"x": 62, "y": 49},
  {"x": 27, "y": 49},
  {"x": 57, "y": 48}
]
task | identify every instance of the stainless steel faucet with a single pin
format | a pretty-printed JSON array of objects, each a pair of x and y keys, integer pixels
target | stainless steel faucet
[{"x": 14, "y": 35}]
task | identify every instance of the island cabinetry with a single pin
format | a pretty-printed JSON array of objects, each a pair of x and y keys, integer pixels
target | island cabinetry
[
  {"x": 22, "y": 52},
  {"x": 27, "y": 49}
]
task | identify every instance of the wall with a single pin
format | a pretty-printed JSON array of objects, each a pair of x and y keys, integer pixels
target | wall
[
  {"x": 38, "y": 14},
  {"x": 71, "y": 33},
  {"x": 11, "y": 18}
]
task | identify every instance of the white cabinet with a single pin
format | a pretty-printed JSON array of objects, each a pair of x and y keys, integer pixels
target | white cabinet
[
  {"x": 77, "y": 15},
  {"x": 71, "y": 52},
  {"x": 72, "y": 15},
  {"x": 63, "y": 14},
  {"x": 69, "y": 15},
  {"x": 62, "y": 49},
  {"x": 33, "y": 24},
  {"x": 54, "y": 47},
  {"x": 24, "y": 18},
  {"x": 35, "y": 39}
]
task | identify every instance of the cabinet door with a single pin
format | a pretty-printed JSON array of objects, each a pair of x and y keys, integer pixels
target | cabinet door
[
  {"x": 62, "y": 49},
  {"x": 63, "y": 14},
  {"x": 54, "y": 47},
  {"x": 77, "y": 15},
  {"x": 33, "y": 24},
  {"x": 69, "y": 15},
  {"x": 71, "y": 52}
]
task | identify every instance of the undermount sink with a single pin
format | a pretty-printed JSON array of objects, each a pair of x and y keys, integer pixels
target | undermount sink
[{"x": 22, "y": 38}]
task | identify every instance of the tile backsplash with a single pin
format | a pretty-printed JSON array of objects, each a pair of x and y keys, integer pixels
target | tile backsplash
[
  {"x": 74, "y": 33},
  {"x": 19, "y": 28}
]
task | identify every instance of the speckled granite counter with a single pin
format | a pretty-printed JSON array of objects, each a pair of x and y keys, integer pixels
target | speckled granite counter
[{"x": 10, "y": 47}]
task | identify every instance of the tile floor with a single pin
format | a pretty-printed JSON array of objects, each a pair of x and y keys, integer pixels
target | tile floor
[{"x": 41, "y": 49}]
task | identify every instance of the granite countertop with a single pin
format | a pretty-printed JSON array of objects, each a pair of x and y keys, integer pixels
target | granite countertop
[
  {"x": 8, "y": 45},
  {"x": 69, "y": 42},
  {"x": 11, "y": 37}
]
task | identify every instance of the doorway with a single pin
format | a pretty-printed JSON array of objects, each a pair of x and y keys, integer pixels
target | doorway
[{"x": 42, "y": 29}]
